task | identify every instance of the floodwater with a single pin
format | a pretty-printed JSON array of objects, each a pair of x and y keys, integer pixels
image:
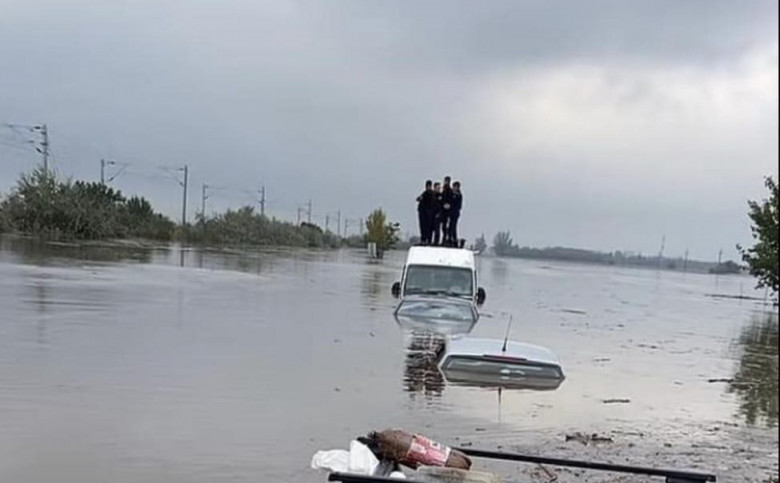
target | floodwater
[{"x": 169, "y": 365}]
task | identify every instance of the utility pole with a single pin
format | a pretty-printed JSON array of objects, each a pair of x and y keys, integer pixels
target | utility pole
[
  {"x": 361, "y": 227},
  {"x": 45, "y": 148},
  {"x": 661, "y": 251},
  {"x": 327, "y": 222},
  {"x": 262, "y": 201},
  {"x": 720, "y": 255},
  {"x": 308, "y": 213},
  {"x": 346, "y": 226},
  {"x": 299, "y": 216},
  {"x": 184, "y": 197},
  {"x": 103, "y": 164},
  {"x": 338, "y": 227},
  {"x": 685, "y": 262},
  {"x": 203, "y": 198}
]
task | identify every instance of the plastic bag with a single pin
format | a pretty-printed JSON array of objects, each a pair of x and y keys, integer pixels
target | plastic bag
[
  {"x": 336, "y": 460},
  {"x": 359, "y": 460}
]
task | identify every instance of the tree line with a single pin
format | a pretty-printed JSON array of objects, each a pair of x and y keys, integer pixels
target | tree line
[
  {"x": 42, "y": 205},
  {"x": 761, "y": 259}
]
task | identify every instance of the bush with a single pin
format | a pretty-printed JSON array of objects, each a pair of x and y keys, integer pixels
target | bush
[
  {"x": 42, "y": 205},
  {"x": 246, "y": 227}
]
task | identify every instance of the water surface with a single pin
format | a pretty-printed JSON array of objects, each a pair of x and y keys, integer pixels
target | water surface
[{"x": 223, "y": 365}]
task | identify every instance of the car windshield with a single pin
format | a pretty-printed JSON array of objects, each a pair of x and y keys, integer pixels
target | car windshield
[{"x": 434, "y": 280}]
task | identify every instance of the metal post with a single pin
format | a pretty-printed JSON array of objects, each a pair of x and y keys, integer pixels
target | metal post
[
  {"x": 184, "y": 200},
  {"x": 203, "y": 198},
  {"x": 45, "y": 146},
  {"x": 262, "y": 201}
]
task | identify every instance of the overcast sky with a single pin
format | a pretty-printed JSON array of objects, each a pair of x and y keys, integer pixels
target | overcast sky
[{"x": 594, "y": 124}]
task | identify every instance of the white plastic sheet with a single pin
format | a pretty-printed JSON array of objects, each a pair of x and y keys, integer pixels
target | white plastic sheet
[
  {"x": 334, "y": 460},
  {"x": 359, "y": 460}
]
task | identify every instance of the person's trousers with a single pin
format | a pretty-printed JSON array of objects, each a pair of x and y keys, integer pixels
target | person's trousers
[
  {"x": 437, "y": 230},
  {"x": 452, "y": 229},
  {"x": 425, "y": 232}
]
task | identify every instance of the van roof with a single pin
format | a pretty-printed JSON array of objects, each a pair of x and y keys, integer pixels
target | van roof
[{"x": 441, "y": 256}]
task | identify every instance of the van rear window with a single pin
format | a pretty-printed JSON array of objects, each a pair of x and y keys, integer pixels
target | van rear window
[{"x": 515, "y": 368}]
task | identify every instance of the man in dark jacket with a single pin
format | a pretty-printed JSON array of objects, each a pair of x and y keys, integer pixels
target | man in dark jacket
[
  {"x": 426, "y": 211},
  {"x": 438, "y": 214},
  {"x": 457, "y": 204},
  {"x": 446, "y": 207}
]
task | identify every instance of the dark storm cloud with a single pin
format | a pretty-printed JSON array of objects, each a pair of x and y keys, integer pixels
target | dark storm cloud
[{"x": 601, "y": 124}]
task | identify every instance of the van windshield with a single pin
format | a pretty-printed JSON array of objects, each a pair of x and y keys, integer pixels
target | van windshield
[{"x": 435, "y": 280}]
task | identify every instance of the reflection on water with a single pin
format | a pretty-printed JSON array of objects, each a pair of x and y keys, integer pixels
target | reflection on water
[
  {"x": 498, "y": 269},
  {"x": 373, "y": 284},
  {"x": 421, "y": 373},
  {"x": 38, "y": 252},
  {"x": 755, "y": 380}
]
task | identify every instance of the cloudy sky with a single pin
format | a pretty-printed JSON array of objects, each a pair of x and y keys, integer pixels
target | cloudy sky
[{"x": 598, "y": 124}]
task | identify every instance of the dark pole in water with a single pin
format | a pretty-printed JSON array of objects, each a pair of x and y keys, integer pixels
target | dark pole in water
[{"x": 671, "y": 475}]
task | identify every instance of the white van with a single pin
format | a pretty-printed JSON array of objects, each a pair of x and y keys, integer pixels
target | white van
[{"x": 440, "y": 272}]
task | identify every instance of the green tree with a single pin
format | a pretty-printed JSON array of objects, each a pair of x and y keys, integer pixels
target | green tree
[
  {"x": 379, "y": 231},
  {"x": 762, "y": 256}
]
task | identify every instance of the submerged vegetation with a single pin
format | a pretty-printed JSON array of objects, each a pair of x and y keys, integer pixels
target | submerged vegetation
[
  {"x": 47, "y": 207},
  {"x": 379, "y": 231},
  {"x": 40, "y": 204},
  {"x": 247, "y": 227}
]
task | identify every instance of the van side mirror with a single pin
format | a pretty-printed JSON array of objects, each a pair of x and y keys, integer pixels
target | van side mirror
[
  {"x": 481, "y": 295},
  {"x": 396, "y": 289}
]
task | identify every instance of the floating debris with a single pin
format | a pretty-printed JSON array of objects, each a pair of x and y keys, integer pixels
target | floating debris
[
  {"x": 616, "y": 401},
  {"x": 586, "y": 439},
  {"x": 574, "y": 311}
]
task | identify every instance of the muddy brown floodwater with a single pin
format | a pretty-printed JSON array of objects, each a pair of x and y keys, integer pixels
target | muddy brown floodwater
[{"x": 162, "y": 365}]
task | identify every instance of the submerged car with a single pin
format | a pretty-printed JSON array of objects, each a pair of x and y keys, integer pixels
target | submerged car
[
  {"x": 497, "y": 363},
  {"x": 437, "y": 315}
]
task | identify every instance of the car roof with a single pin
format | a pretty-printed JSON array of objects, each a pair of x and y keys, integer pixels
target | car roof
[
  {"x": 469, "y": 346},
  {"x": 441, "y": 256}
]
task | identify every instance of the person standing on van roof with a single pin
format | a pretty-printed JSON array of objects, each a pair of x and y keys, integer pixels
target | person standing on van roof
[
  {"x": 457, "y": 204},
  {"x": 446, "y": 204},
  {"x": 426, "y": 212},
  {"x": 437, "y": 218}
]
